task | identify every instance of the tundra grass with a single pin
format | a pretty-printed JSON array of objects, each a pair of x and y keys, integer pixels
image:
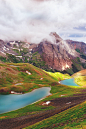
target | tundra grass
[
  {"x": 69, "y": 119},
  {"x": 16, "y": 72},
  {"x": 59, "y": 76},
  {"x": 56, "y": 91},
  {"x": 81, "y": 80},
  {"x": 13, "y": 73}
]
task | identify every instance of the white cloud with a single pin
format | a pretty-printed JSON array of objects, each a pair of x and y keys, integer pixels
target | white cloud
[{"x": 33, "y": 20}]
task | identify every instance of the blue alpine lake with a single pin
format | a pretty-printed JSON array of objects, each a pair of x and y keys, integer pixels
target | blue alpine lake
[
  {"x": 69, "y": 82},
  {"x": 13, "y": 101}
]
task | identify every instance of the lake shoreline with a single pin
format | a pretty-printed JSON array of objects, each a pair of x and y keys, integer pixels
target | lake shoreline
[
  {"x": 69, "y": 82},
  {"x": 48, "y": 93},
  {"x": 43, "y": 97},
  {"x": 28, "y": 120}
]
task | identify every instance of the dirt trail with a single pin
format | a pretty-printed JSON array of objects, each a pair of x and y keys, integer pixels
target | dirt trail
[{"x": 60, "y": 104}]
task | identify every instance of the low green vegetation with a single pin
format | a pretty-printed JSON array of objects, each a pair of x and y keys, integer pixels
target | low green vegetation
[
  {"x": 84, "y": 65},
  {"x": 59, "y": 76},
  {"x": 83, "y": 56},
  {"x": 73, "y": 118},
  {"x": 14, "y": 76},
  {"x": 4, "y": 59},
  {"x": 56, "y": 91},
  {"x": 77, "y": 65},
  {"x": 17, "y": 51},
  {"x": 12, "y": 58},
  {"x": 78, "y": 50},
  {"x": 80, "y": 78},
  {"x": 37, "y": 61}
]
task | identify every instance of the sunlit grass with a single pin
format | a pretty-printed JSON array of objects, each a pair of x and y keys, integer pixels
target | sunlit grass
[
  {"x": 69, "y": 119},
  {"x": 81, "y": 80},
  {"x": 59, "y": 76},
  {"x": 31, "y": 82}
]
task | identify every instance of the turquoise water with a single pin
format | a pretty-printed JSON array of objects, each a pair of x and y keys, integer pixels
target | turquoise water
[
  {"x": 69, "y": 82},
  {"x": 12, "y": 102}
]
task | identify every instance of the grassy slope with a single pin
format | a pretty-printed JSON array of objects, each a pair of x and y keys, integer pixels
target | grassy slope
[
  {"x": 19, "y": 75},
  {"x": 59, "y": 76},
  {"x": 56, "y": 91},
  {"x": 73, "y": 118},
  {"x": 10, "y": 76},
  {"x": 80, "y": 78}
]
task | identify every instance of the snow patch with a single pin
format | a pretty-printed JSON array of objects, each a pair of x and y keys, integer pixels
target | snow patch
[
  {"x": 13, "y": 92},
  {"x": 46, "y": 103},
  {"x": 68, "y": 103},
  {"x": 28, "y": 72},
  {"x": 62, "y": 95},
  {"x": 41, "y": 78}
]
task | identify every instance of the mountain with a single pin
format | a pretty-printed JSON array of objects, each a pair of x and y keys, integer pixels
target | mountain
[
  {"x": 57, "y": 55},
  {"x": 54, "y": 54},
  {"x": 60, "y": 55},
  {"x": 78, "y": 46}
]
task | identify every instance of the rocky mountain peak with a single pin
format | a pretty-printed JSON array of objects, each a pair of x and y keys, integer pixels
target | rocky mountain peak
[
  {"x": 51, "y": 53},
  {"x": 57, "y": 53},
  {"x": 62, "y": 44},
  {"x": 56, "y": 37}
]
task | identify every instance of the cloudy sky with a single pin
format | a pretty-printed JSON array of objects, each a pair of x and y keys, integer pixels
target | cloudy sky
[{"x": 33, "y": 20}]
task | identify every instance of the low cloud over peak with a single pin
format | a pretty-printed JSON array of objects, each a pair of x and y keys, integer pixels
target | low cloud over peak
[{"x": 33, "y": 20}]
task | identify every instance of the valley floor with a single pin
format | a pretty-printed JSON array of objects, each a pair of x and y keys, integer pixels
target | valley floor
[
  {"x": 60, "y": 104},
  {"x": 24, "y": 78}
]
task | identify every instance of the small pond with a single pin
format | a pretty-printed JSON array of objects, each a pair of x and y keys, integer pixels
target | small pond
[
  {"x": 69, "y": 82},
  {"x": 12, "y": 102}
]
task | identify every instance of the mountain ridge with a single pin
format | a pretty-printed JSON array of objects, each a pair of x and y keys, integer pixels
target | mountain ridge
[{"x": 55, "y": 54}]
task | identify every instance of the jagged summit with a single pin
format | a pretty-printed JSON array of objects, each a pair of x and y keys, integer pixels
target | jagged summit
[
  {"x": 56, "y": 37},
  {"x": 51, "y": 53},
  {"x": 57, "y": 53},
  {"x": 63, "y": 45},
  {"x": 53, "y": 37}
]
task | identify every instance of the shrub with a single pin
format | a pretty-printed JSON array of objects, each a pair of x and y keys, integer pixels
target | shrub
[
  {"x": 4, "y": 90},
  {"x": 17, "y": 88}
]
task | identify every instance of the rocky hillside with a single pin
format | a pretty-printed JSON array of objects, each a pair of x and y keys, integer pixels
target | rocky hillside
[
  {"x": 57, "y": 55},
  {"x": 60, "y": 55},
  {"x": 54, "y": 54},
  {"x": 78, "y": 46}
]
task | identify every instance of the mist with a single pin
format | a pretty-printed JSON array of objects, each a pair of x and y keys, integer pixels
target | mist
[{"x": 33, "y": 20}]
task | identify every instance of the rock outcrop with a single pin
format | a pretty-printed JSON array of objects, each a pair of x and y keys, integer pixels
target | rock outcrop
[
  {"x": 57, "y": 54},
  {"x": 77, "y": 45},
  {"x": 54, "y": 53}
]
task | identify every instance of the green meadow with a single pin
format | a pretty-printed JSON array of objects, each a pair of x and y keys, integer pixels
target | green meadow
[
  {"x": 14, "y": 77},
  {"x": 80, "y": 78},
  {"x": 73, "y": 118}
]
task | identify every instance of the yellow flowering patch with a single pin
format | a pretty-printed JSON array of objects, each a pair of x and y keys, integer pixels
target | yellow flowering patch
[{"x": 2, "y": 117}]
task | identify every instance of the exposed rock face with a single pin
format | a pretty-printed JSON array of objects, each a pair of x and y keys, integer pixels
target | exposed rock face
[
  {"x": 57, "y": 55},
  {"x": 77, "y": 45},
  {"x": 1, "y": 43},
  {"x": 54, "y": 57}
]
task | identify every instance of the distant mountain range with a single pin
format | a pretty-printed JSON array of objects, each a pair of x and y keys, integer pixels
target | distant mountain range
[{"x": 57, "y": 54}]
